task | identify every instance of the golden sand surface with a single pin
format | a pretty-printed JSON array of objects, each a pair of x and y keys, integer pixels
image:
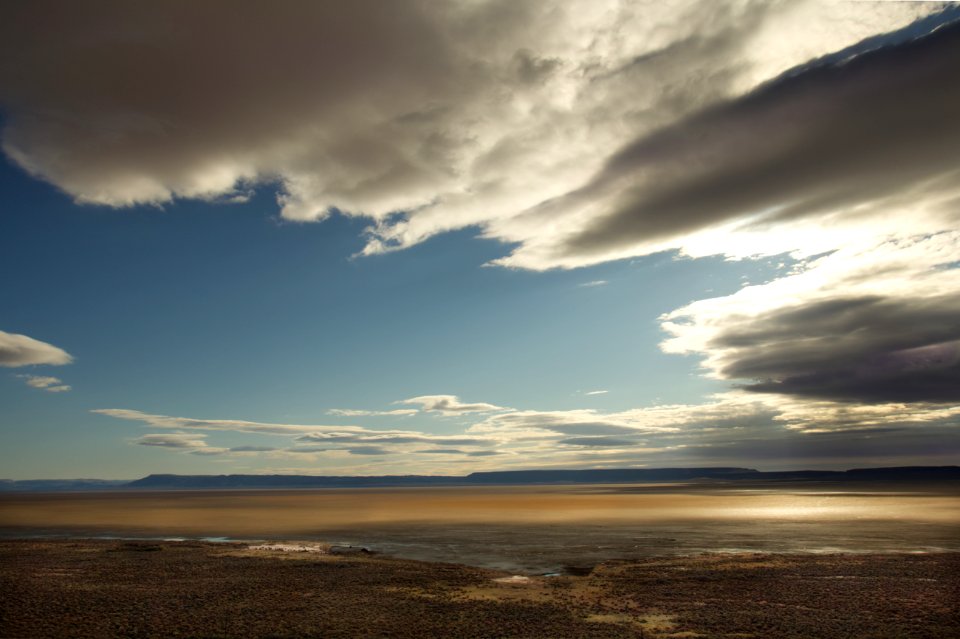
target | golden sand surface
[{"x": 273, "y": 513}]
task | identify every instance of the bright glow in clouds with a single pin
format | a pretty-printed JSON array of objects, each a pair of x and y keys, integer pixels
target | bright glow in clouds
[
  {"x": 510, "y": 116},
  {"x": 871, "y": 322}
]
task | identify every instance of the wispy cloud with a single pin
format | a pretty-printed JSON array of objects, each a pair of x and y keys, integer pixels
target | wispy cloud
[
  {"x": 597, "y": 392},
  {"x": 593, "y": 284},
  {"x": 307, "y": 440},
  {"x": 347, "y": 412},
  {"x": 47, "y": 383},
  {"x": 239, "y": 426},
  {"x": 192, "y": 443},
  {"x": 736, "y": 427}
]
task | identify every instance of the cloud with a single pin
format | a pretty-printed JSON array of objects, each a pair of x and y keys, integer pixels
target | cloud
[
  {"x": 49, "y": 384},
  {"x": 175, "y": 440},
  {"x": 605, "y": 442},
  {"x": 441, "y": 451},
  {"x": 593, "y": 284},
  {"x": 346, "y": 412},
  {"x": 731, "y": 428},
  {"x": 870, "y": 323},
  {"x": 20, "y": 350},
  {"x": 450, "y": 405},
  {"x": 422, "y": 116},
  {"x": 308, "y": 440},
  {"x": 586, "y": 422},
  {"x": 209, "y": 452},
  {"x": 825, "y": 140},
  {"x": 352, "y": 450},
  {"x": 192, "y": 443},
  {"x": 239, "y": 426},
  {"x": 390, "y": 437},
  {"x": 597, "y": 392},
  {"x": 369, "y": 450}
]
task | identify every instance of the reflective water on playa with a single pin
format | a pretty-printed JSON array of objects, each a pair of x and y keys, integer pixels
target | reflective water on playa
[{"x": 524, "y": 529}]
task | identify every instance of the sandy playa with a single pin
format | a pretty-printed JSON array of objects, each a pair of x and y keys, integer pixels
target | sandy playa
[
  {"x": 302, "y": 512},
  {"x": 530, "y": 529},
  {"x": 168, "y": 589}
]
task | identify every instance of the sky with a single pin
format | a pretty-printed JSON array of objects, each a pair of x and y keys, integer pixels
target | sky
[{"x": 431, "y": 237}]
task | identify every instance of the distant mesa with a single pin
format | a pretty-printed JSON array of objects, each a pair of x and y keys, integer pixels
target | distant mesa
[{"x": 503, "y": 478}]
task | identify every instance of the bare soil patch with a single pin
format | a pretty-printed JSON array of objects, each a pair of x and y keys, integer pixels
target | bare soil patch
[{"x": 191, "y": 589}]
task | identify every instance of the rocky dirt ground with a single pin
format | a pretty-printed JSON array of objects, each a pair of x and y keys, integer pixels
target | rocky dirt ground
[{"x": 193, "y": 589}]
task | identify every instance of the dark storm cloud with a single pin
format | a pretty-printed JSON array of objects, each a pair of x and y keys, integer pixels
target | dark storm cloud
[
  {"x": 846, "y": 132},
  {"x": 937, "y": 441},
  {"x": 122, "y": 102},
  {"x": 862, "y": 349}
]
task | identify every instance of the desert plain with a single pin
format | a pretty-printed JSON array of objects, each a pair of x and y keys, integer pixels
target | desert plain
[{"x": 668, "y": 560}]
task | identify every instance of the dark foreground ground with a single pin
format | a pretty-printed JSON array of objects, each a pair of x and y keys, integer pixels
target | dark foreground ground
[{"x": 193, "y": 589}]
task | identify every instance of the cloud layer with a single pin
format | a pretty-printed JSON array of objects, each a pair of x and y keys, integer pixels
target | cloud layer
[
  {"x": 431, "y": 116},
  {"x": 733, "y": 428}
]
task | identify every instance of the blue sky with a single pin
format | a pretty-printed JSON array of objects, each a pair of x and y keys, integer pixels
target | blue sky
[
  {"x": 227, "y": 311},
  {"x": 648, "y": 274}
]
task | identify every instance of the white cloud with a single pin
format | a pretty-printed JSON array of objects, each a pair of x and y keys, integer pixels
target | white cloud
[
  {"x": 49, "y": 384},
  {"x": 597, "y": 392},
  {"x": 732, "y": 428},
  {"x": 455, "y": 114},
  {"x": 308, "y": 440},
  {"x": 450, "y": 405},
  {"x": 19, "y": 350},
  {"x": 872, "y": 322},
  {"x": 594, "y": 283}
]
